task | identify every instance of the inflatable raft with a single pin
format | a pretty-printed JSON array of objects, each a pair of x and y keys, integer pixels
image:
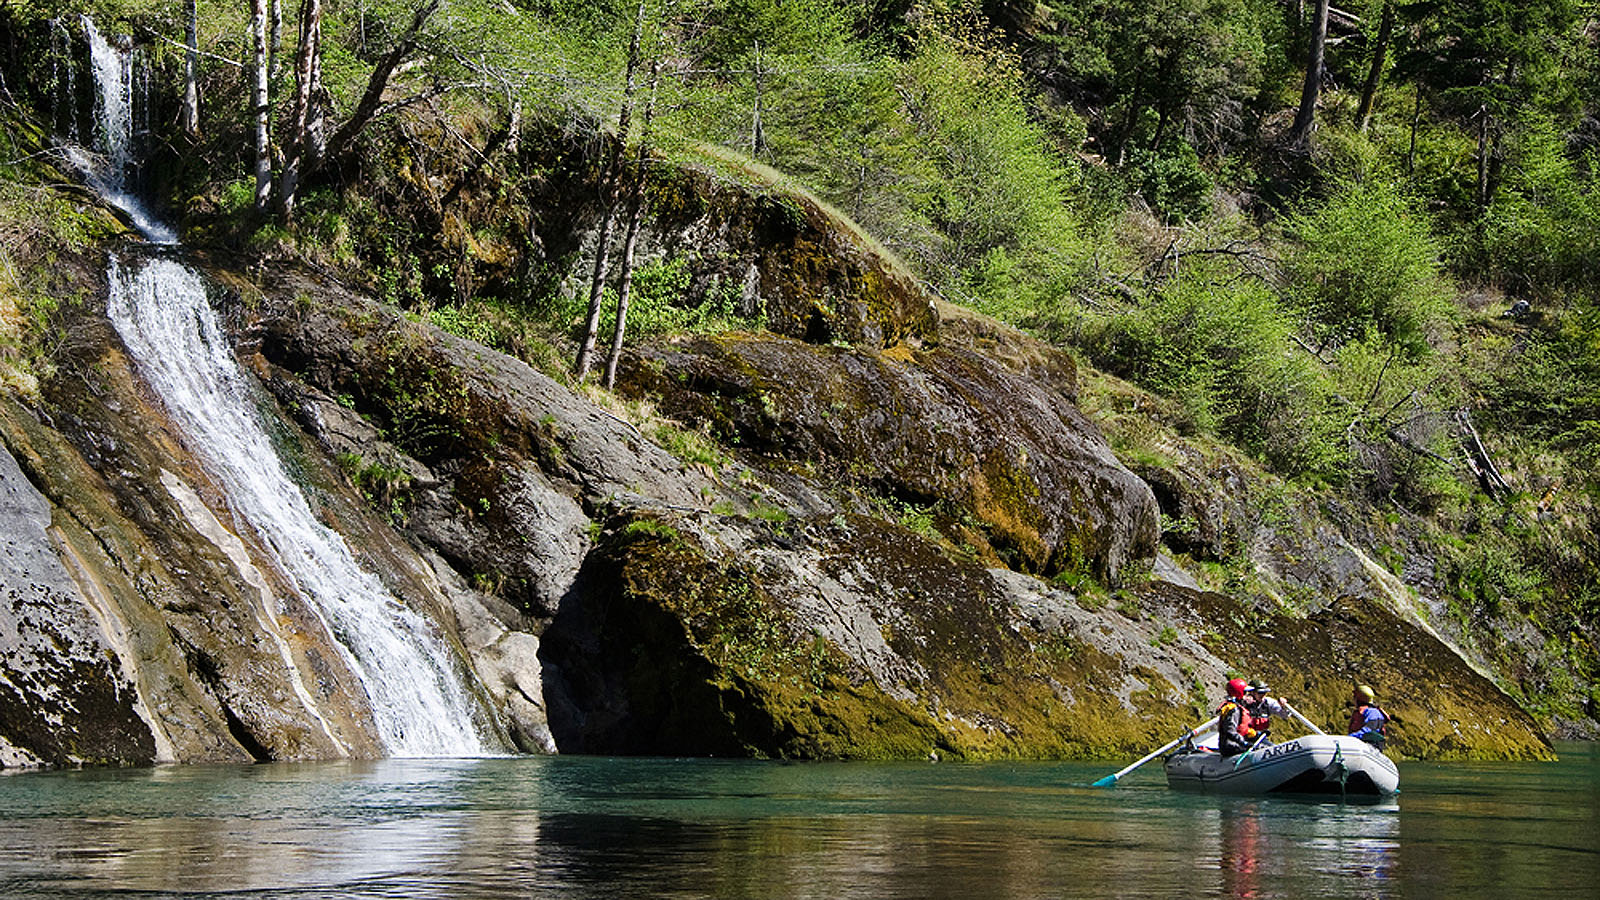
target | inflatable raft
[{"x": 1314, "y": 764}]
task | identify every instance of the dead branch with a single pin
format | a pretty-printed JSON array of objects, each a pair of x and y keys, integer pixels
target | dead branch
[{"x": 1478, "y": 459}]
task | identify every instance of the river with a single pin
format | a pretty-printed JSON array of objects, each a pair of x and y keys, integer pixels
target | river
[{"x": 576, "y": 827}]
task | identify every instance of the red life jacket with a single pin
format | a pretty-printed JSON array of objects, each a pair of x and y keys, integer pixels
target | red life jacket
[{"x": 1247, "y": 729}]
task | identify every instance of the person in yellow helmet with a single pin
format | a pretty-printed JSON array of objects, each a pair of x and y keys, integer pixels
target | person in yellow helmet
[{"x": 1368, "y": 722}]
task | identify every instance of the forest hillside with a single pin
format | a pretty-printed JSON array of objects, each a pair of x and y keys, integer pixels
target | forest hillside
[{"x": 1322, "y": 277}]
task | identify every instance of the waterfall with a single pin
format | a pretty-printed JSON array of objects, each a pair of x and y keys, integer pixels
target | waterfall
[
  {"x": 112, "y": 68},
  {"x": 413, "y": 680},
  {"x": 64, "y": 80},
  {"x": 160, "y": 309}
]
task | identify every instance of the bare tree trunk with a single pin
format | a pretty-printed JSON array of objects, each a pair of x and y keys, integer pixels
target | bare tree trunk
[
  {"x": 758, "y": 137},
  {"x": 514, "y": 129},
  {"x": 306, "y": 69},
  {"x": 190, "y": 115},
  {"x": 635, "y": 213},
  {"x": 610, "y": 177},
  {"x": 1479, "y": 462},
  {"x": 1380, "y": 53},
  {"x": 275, "y": 46},
  {"x": 261, "y": 106},
  {"x": 316, "y": 135},
  {"x": 1166, "y": 74},
  {"x": 1483, "y": 156},
  {"x": 1131, "y": 120},
  {"x": 1306, "y": 118}
]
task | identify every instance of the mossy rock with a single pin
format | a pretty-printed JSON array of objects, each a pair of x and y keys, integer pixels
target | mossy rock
[
  {"x": 1442, "y": 707},
  {"x": 676, "y": 644},
  {"x": 673, "y": 652},
  {"x": 947, "y": 426}
]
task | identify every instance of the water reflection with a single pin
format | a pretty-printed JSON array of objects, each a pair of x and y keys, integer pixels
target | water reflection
[
  {"x": 578, "y": 828},
  {"x": 1287, "y": 848}
]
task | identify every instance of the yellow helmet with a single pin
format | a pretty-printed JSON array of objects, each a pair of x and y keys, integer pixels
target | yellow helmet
[{"x": 1364, "y": 694}]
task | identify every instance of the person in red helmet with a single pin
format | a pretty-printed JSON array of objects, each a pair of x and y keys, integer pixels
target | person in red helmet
[{"x": 1234, "y": 732}]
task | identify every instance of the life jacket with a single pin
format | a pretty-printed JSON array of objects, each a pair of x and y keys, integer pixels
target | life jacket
[
  {"x": 1358, "y": 719},
  {"x": 1247, "y": 729},
  {"x": 1260, "y": 722}
]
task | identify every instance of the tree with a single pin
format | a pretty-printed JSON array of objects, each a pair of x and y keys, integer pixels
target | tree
[
  {"x": 1157, "y": 68},
  {"x": 260, "y": 104},
  {"x": 304, "y": 148},
  {"x": 1365, "y": 268},
  {"x": 1305, "y": 119},
  {"x": 189, "y": 117},
  {"x": 1380, "y": 52},
  {"x": 307, "y": 146},
  {"x": 610, "y": 188},
  {"x": 1487, "y": 60},
  {"x": 635, "y": 212}
]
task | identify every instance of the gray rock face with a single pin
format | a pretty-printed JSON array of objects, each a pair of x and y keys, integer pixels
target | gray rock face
[
  {"x": 515, "y": 463},
  {"x": 942, "y": 426},
  {"x": 64, "y": 698}
]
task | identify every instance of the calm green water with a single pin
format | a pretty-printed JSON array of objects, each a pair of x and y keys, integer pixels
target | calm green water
[{"x": 576, "y": 827}]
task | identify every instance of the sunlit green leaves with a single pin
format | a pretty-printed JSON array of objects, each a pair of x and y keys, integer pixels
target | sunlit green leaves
[{"x": 1365, "y": 265}]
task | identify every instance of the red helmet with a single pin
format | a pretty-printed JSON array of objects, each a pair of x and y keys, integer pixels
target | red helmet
[{"x": 1236, "y": 688}]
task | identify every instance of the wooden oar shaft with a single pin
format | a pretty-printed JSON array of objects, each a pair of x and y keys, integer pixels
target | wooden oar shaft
[
  {"x": 1195, "y": 732},
  {"x": 1302, "y": 719}
]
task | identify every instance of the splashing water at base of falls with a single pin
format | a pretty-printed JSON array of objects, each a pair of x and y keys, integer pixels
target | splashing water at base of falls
[{"x": 421, "y": 709}]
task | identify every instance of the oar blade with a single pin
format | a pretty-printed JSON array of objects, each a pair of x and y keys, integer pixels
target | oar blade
[{"x": 1107, "y": 781}]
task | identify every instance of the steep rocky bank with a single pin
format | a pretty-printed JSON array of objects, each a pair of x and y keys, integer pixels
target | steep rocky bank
[{"x": 864, "y": 571}]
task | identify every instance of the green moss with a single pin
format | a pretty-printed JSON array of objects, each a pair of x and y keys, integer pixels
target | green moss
[
  {"x": 423, "y": 403},
  {"x": 1006, "y": 500},
  {"x": 386, "y": 487}
]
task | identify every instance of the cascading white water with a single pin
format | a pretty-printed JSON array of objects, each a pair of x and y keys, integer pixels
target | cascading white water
[
  {"x": 113, "y": 79},
  {"x": 413, "y": 680},
  {"x": 112, "y": 69},
  {"x": 161, "y": 310}
]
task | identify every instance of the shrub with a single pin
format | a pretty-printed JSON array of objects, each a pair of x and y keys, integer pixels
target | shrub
[{"x": 1366, "y": 264}]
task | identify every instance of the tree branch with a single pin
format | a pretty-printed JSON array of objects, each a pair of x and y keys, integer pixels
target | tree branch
[{"x": 371, "y": 104}]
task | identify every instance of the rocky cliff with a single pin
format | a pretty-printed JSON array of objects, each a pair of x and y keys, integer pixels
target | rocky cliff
[{"x": 905, "y": 538}]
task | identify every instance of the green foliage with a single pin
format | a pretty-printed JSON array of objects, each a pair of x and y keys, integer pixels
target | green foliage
[
  {"x": 38, "y": 226},
  {"x": 1365, "y": 265},
  {"x": 386, "y": 487},
  {"x": 690, "y": 446},
  {"x": 1163, "y": 69},
  {"x": 1171, "y": 180},
  {"x": 1543, "y": 229},
  {"x": 1224, "y": 347},
  {"x": 998, "y": 187},
  {"x": 469, "y": 323},
  {"x": 1167, "y": 635},
  {"x": 660, "y": 302},
  {"x": 652, "y": 528}
]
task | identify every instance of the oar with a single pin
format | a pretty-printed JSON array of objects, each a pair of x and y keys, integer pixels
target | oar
[
  {"x": 1249, "y": 750},
  {"x": 1198, "y": 730},
  {"x": 1301, "y": 719}
]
